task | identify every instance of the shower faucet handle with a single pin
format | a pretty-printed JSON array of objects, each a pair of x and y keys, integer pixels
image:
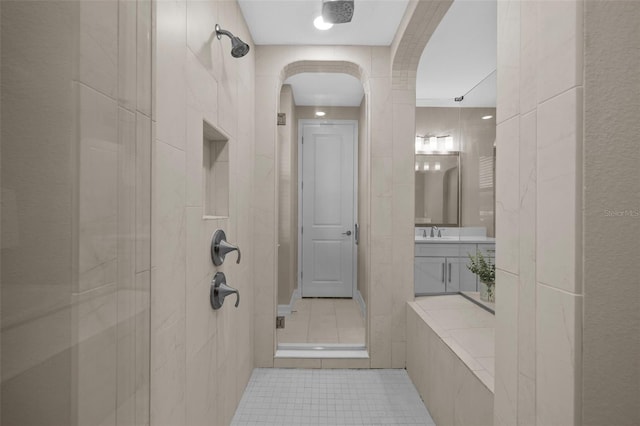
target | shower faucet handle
[
  {"x": 220, "y": 290},
  {"x": 220, "y": 247}
]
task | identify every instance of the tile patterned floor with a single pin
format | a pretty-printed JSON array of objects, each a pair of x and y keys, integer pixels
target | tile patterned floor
[
  {"x": 324, "y": 321},
  {"x": 295, "y": 397}
]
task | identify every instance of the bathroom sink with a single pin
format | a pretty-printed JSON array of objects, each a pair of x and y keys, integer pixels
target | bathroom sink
[{"x": 434, "y": 239}]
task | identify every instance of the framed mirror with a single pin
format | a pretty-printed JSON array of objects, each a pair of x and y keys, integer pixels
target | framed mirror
[{"x": 437, "y": 189}]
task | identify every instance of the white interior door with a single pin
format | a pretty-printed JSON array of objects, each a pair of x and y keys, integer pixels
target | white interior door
[{"x": 328, "y": 210}]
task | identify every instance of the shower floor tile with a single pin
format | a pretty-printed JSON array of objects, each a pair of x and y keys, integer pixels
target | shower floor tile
[
  {"x": 293, "y": 397},
  {"x": 324, "y": 320}
]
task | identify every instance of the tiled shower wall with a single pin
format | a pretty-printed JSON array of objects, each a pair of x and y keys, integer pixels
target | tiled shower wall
[
  {"x": 76, "y": 199},
  {"x": 538, "y": 217},
  {"x": 200, "y": 359}
]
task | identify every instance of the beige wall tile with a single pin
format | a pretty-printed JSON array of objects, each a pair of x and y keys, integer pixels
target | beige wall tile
[
  {"x": 202, "y": 18},
  {"x": 168, "y": 370},
  {"x": 560, "y": 46},
  {"x": 127, "y": 43},
  {"x": 143, "y": 193},
  {"x": 558, "y": 190},
  {"x": 168, "y": 295},
  {"x": 144, "y": 68},
  {"x": 508, "y": 89},
  {"x": 507, "y": 196},
  {"x": 201, "y": 398},
  {"x": 170, "y": 73},
  {"x": 98, "y": 180},
  {"x": 506, "y": 358},
  {"x": 441, "y": 387},
  {"x": 473, "y": 402},
  {"x": 558, "y": 356},
  {"x": 98, "y": 46},
  {"x": 528, "y": 56},
  {"x": 380, "y": 344}
]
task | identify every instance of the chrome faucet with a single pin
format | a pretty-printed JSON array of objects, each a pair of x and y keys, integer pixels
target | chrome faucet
[
  {"x": 424, "y": 233},
  {"x": 435, "y": 228}
]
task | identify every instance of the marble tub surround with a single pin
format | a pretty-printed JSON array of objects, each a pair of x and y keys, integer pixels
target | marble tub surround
[
  {"x": 450, "y": 358},
  {"x": 466, "y": 328}
]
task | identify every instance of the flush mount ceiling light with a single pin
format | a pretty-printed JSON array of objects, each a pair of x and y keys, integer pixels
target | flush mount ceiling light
[
  {"x": 337, "y": 11},
  {"x": 486, "y": 117},
  {"x": 320, "y": 24},
  {"x": 320, "y": 113}
]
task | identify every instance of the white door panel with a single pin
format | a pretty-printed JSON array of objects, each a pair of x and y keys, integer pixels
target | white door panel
[{"x": 328, "y": 210}]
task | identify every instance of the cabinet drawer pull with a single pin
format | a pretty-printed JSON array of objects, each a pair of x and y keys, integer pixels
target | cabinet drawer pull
[
  {"x": 443, "y": 272},
  {"x": 449, "y": 272}
]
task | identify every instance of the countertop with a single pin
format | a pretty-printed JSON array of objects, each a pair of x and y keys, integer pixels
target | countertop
[{"x": 455, "y": 240}]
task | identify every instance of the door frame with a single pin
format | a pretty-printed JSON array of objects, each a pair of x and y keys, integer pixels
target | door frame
[{"x": 301, "y": 123}]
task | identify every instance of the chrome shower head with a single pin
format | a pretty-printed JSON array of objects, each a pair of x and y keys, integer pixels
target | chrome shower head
[
  {"x": 337, "y": 11},
  {"x": 238, "y": 47}
]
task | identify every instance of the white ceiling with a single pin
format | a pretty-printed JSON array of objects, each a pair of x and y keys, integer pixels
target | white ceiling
[
  {"x": 374, "y": 22},
  {"x": 326, "y": 89},
  {"x": 460, "y": 56}
]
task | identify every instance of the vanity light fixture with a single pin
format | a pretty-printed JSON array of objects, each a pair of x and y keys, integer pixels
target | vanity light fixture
[
  {"x": 437, "y": 167},
  {"x": 320, "y": 24},
  {"x": 320, "y": 113},
  {"x": 417, "y": 166},
  {"x": 448, "y": 143},
  {"x": 425, "y": 166},
  {"x": 486, "y": 117},
  {"x": 433, "y": 143},
  {"x": 419, "y": 143}
]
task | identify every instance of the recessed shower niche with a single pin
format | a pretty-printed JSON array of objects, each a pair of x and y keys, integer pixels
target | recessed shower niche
[{"x": 215, "y": 172}]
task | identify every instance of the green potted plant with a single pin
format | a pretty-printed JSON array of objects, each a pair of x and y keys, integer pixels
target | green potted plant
[{"x": 486, "y": 272}]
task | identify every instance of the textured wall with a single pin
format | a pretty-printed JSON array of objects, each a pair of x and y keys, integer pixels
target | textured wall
[
  {"x": 611, "y": 236},
  {"x": 76, "y": 142},
  {"x": 200, "y": 359}
]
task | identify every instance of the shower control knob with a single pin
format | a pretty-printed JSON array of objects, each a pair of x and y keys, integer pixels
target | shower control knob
[
  {"x": 348, "y": 233},
  {"x": 220, "y": 248}
]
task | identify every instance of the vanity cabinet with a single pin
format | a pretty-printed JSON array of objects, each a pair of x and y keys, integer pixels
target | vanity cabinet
[{"x": 442, "y": 268}]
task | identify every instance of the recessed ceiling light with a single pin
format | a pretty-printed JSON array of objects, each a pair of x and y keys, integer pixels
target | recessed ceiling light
[
  {"x": 320, "y": 24},
  {"x": 486, "y": 117},
  {"x": 320, "y": 113}
]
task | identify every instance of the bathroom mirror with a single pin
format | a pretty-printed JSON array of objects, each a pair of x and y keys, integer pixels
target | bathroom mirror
[{"x": 437, "y": 189}]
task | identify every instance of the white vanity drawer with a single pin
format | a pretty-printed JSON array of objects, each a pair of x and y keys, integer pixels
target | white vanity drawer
[
  {"x": 487, "y": 250},
  {"x": 436, "y": 250},
  {"x": 467, "y": 249},
  {"x": 444, "y": 250}
]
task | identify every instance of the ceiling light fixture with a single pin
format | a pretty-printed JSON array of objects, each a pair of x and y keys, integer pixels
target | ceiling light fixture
[
  {"x": 320, "y": 113},
  {"x": 486, "y": 117},
  {"x": 320, "y": 24}
]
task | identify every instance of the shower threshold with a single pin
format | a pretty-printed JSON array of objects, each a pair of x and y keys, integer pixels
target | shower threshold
[{"x": 321, "y": 350}]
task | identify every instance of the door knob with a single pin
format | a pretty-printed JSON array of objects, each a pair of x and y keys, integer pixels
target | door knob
[
  {"x": 220, "y": 247},
  {"x": 347, "y": 233}
]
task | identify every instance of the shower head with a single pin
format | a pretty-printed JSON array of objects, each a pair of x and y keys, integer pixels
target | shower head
[
  {"x": 238, "y": 47},
  {"x": 337, "y": 11}
]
